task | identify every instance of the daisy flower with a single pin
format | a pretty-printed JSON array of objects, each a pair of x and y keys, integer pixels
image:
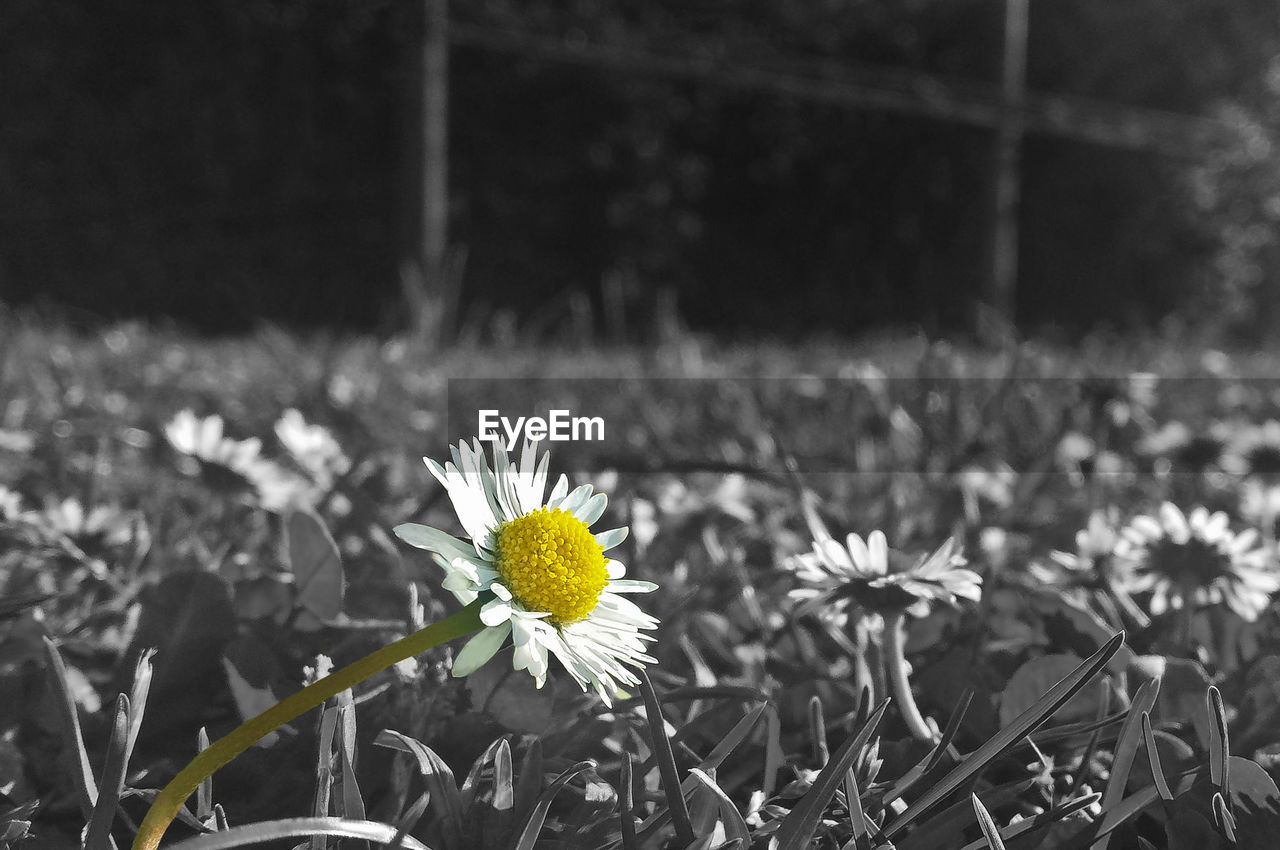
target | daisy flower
[
  {"x": 1175, "y": 447},
  {"x": 1094, "y": 570},
  {"x": 203, "y": 440},
  {"x": 10, "y": 503},
  {"x": 1194, "y": 560},
  {"x": 233, "y": 464},
  {"x": 313, "y": 447},
  {"x": 1254, "y": 450},
  {"x": 868, "y": 574},
  {"x": 540, "y": 572},
  {"x": 885, "y": 585}
]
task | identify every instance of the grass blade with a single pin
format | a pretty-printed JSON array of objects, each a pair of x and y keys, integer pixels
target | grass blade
[
  {"x": 445, "y": 799},
  {"x": 274, "y": 830},
  {"x": 1095, "y": 738},
  {"x": 204, "y": 794},
  {"x": 533, "y": 825},
  {"x": 530, "y": 783},
  {"x": 142, "y": 673},
  {"x": 735, "y": 827},
  {"x": 98, "y": 834},
  {"x": 1219, "y": 742},
  {"x": 409, "y": 821},
  {"x": 352, "y": 800},
  {"x": 1153, "y": 755},
  {"x": 626, "y": 822},
  {"x": 853, "y": 802},
  {"x": 987, "y": 823},
  {"x": 1127, "y": 744},
  {"x": 666, "y": 763},
  {"x": 818, "y": 731},
  {"x": 798, "y": 827},
  {"x": 1022, "y": 725},
  {"x": 1013, "y": 830},
  {"x": 81, "y": 771}
]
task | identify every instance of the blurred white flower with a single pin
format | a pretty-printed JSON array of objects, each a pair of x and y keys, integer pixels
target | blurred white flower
[
  {"x": 1254, "y": 450},
  {"x": 313, "y": 447},
  {"x": 10, "y": 503},
  {"x": 202, "y": 439},
  {"x": 868, "y": 574},
  {"x": 1194, "y": 560}
]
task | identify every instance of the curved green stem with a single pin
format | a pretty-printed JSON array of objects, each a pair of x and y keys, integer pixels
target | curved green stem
[
  {"x": 895, "y": 662},
  {"x": 170, "y": 800}
]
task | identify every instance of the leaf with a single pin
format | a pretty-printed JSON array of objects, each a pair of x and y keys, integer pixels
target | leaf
[
  {"x": 513, "y": 698},
  {"x": 251, "y": 700},
  {"x": 1034, "y": 678},
  {"x": 316, "y": 565},
  {"x": 1022, "y": 726},
  {"x": 1188, "y": 830},
  {"x": 274, "y": 830},
  {"x": 1182, "y": 687},
  {"x": 1254, "y": 802},
  {"x": 190, "y": 617},
  {"x": 1074, "y": 626}
]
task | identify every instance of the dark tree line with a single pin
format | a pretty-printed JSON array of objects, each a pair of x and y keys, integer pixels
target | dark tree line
[{"x": 222, "y": 161}]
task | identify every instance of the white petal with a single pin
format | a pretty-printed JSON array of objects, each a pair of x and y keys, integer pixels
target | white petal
[
  {"x": 1175, "y": 523},
  {"x": 879, "y": 547},
  {"x": 576, "y": 499},
  {"x": 495, "y": 612},
  {"x": 612, "y": 537},
  {"x": 559, "y": 491},
  {"x": 630, "y": 586},
  {"x": 480, "y": 649},
  {"x": 435, "y": 540},
  {"x": 593, "y": 509}
]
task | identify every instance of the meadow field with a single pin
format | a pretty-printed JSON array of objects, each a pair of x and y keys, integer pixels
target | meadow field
[{"x": 910, "y": 594}]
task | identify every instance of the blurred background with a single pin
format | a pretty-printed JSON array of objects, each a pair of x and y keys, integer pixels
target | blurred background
[{"x": 608, "y": 168}]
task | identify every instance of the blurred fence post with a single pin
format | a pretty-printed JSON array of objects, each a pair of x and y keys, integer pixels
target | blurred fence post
[
  {"x": 1003, "y": 277},
  {"x": 430, "y": 289}
]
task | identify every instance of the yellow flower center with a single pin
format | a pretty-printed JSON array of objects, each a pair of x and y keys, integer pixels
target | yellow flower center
[{"x": 551, "y": 562}]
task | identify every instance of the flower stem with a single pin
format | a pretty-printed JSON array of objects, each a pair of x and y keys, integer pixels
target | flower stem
[
  {"x": 895, "y": 662},
  {"x": 170, "y": 800}
]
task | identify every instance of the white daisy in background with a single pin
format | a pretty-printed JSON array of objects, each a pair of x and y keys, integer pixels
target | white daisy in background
[
  {"x": 1194, "y": 560},
  {"x": 1094, "y": 569},
  {"x": 868, "y": 574},
  {"x": 881, "y": 586},
  {"x": 313, "y": 447},
  {"x": 542, "y": 574},
  {"x": 231, "y": 464},
  {"x": 203, "y": 440},
  {"x": 10, "y": 503},
  {"x": 1254, "y": 450}
]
